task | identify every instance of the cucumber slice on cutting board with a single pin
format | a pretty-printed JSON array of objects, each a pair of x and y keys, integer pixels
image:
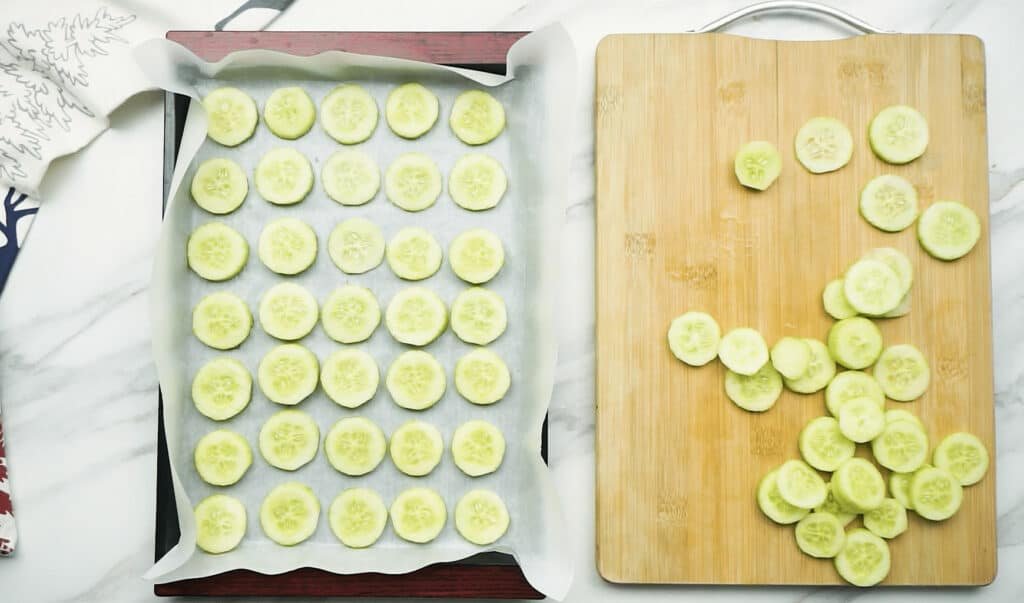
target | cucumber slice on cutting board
[
  {"x": 855, "y": 342},
  {"x": 743, "y": 351},
  {"x": 355, "y": 446},
  {"x": 694, "y": 338},
  {"x": 963, "y": 456},
  {"x": 898, "y": 261},
  {"x": 898, "y": 134},
  {"x": 416, "y": 316},
  {"x": 832, "y": 506},
  {"x": 219, "y": 186},
  {"x": 835, "y": 302},
  {"x": 820, "y": 535},
  {"x": 482, "y": 377},
  {"x": 888, "y": 520},
  {"x": 284, "y": 176},
  {"x": 288, "y": 311},
  {"x": 864, "y": 560},
  {"x": 222, "y": 388},
  {"x": 935, "y": 493},
  {"x": 288, "y": 374},
  {"x": 222, "y": 457},
  {"x": 289, "y": 439},
  {"x": 948, "y": 230},
  {"x": 287, "y": 246},
  {"x": 757, "y": 164},
  {"x": 898, "y": 414},
  {"x": 858, "y": 486},
  {"x": 902, "y": 372},
  {"x": 757, "y": 392},
  {"x": 477, "y": 182},
  {"x": 819, "y": 372},
  {"x": 356, "y": 246},
  {"x": 220, "y": 523},
  {"x": 413, "y": 182},
  {"x": 823, "y": 445},
  {"x": 413, "y": 254},
  {"x": 901, "y": 310},
  {"x": 476, "y": 255},
  {"x": 289, "y": 513},
  {"x": 349, "y": 377},
  {"x": 872, "y": 287},
  {"x": 478, "y": 448},
  {"x": 416, "y": 448},
  {"x": 899, "y": 487},
  {"x": 221, "y": 320},
  {"x": 350, "y": 177},
  {"x": 823, "y": 144},
  {"x": 771, "y": 503},
  {"x": 349, "y": 114},
  {"x": 800, "y": 485},
  {"x": 289, "y": 112},
  {"x": 350, "y": 314},
  {"x": 861, "y": 420},
  {"x": 231, "y": 116},
  {"x": 791, "y": 356},
  {"x": 478, "y": 316},
  {"x": 216, "y": 251},
  {"x": 477, "y": 117},
  {"x": 418, "y": 515},
  {"x": 849, "y": 385},
  {"x": 889, "y": 203},
  {"x": 416, "y": 380},
  {"x": 357, "y": 517},
  {"x": 902, "y": 447},
  {"x": 481, "y": 517},
  {"x": 411, "y": 110}
]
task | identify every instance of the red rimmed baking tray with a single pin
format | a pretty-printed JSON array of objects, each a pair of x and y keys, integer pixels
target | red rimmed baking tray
[{"x": 488, "y": 575}]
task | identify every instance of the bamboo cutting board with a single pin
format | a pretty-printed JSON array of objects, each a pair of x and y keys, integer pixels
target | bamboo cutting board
[{"x": 677, "y": 462}]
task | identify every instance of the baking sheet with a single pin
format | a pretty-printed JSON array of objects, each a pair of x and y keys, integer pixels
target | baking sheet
[{"x": 537, "y": 96}]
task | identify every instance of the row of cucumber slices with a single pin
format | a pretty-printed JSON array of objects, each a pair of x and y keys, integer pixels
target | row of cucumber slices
[
  {"x": 413, "y": 182},
  {"x": 349, "y": 114},
  {"x": 288, "y": 246},
  {"x": 291, "y": 511}
]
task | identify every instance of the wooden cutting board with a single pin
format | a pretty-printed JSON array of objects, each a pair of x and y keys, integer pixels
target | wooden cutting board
[{"x": 677, "y": 462}]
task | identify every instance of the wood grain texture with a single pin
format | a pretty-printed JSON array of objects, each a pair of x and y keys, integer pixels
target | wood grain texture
[{"x": 677, "y": 462}]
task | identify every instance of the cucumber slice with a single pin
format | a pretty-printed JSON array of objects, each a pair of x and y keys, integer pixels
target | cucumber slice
[
  {"x": 861, "y": 420},
  {"x": 231, "y": 116},
  {"x": 216, "y": 251},
  {"x": 418, "y": 515},
  {"x": 221, "y": 320},
  {"x": 355, "y": 446},
  {"x": 889, "y": 203},
  {"x": 757, "y": 164},
  {"x": 694, "y": 338},
  {"x": 416, "y": 380},
  {"x": 902, "y": 372},
  {"x": 289, "y": 112},
  {"x": 349, "y": 114},
  {"x": 898, "y": 261},
  {"x": 411, "y": 110},
  {"x": 872, "y": 287},
  {"x": 835, "y": 302},
  {"x": 356, "y": 246},
  {"x": 288, "y": 311},
  {"x": 222, "y": 457},
  {"x": 888, "y": 520},
  {"x": 901, "y": 447},
  {"x": 350, "y": 314},
  {"x": 899, "y": 487},
  {"x": 948, "y": 230},
  {"x": 413, "y": 182},
  {"x": 935, "y": 493},
  {"x": 477, "y": 182},
  {"x": 289, "y": 513},
  {"x": 820, "y": 535},
  {"x": 287, "y": 246},
  {"x": 901, "y": 310},
  {"x": 289, "y": 439},
  {"x": 865, "y": 559},
  {"x": 823, "y": 144},
  {"x": 284, "y": 176},
  {"x": 963, "y": 456},
  {"x": 220, "y": 523},
  {"x": 819, "y": 372},
  {"x": 898, "y": 134},
  {"x": 823, "y": 445},
  {"x": 478, "y": 316},
  {"x": 222, "y": 388},
  {"x": 481, "y": 517},
  {"x": 855, "y": 342},
  {"x": 743, "y": 351},
  {"x": 413, "y": 254},
  {"x": 416, "y": 316},
  {"x": 476, "y": 255},
  {"x": 482, "y": 377},
  {"x": 832, "y": 506},
  {"x": 416, "y": 448},
  {"x": 898, "y": 414},
  {"x": 858, "y": 486},
  {"x": 478, "y": 448},
  {"x": 849, "y": 385},
  {"x": 349, "y": 377},
  {"x": 357, "y": 517},
  {"x": 219, "y": 186},
  {"x": 350, "y": 177},
  {"x": 772, "y": 504},
  {"x": 757, "y": 392},
  {"x": 477, "y": 117},
  {"x": 800, "y": 485},
  {"x": 288, "y": 374},
  {"x": 791, "y": 357}
]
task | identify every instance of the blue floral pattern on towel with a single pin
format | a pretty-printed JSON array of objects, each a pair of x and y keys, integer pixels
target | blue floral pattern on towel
[{"x": 16, "y": 213}]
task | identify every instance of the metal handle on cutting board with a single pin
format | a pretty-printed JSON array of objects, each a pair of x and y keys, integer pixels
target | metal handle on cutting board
[{"x": 792, "y": 6}]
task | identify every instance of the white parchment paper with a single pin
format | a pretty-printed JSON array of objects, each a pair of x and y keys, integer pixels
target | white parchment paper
[{"x": 537, "y": 96}]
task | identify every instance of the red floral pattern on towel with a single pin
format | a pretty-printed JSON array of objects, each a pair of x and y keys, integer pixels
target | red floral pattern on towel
[{"x": 8, "y": 532}]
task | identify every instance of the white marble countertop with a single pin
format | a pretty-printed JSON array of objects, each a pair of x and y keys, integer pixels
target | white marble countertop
[{"x": 79, "y": 389}]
